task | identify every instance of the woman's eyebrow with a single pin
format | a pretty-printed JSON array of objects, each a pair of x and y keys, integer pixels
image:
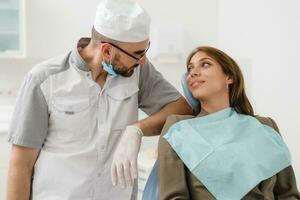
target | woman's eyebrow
[{"x": 202, "y": 59}]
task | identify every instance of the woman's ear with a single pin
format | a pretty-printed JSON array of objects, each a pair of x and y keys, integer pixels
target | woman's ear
[{"x": 229, "y": 80}]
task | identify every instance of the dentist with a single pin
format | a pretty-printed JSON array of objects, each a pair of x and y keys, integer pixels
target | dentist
[{"x": 75, "y": 132}]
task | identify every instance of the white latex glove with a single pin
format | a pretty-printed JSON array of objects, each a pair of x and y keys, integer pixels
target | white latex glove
[{"x": 124, "y": 165}]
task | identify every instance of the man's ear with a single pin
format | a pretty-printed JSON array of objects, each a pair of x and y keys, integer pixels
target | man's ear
[{"x": 105, "y": 49}]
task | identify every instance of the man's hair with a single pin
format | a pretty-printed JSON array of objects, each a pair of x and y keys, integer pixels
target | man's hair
[{"x": 97, "y": 38}]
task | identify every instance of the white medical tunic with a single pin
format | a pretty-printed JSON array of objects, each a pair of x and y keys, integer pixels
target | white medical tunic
[{"x": 77, "y": 124}]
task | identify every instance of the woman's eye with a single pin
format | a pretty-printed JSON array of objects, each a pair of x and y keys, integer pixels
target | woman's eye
[
  {"x": 189, "y": 68},
  {"x": 206, "y": 64}
]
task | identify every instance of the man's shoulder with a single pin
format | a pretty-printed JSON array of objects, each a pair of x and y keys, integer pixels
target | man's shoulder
[{"x": 49, "y": 67}]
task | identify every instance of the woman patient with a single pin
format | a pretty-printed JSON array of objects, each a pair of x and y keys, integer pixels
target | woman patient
[{"x": 225, "y": 152}]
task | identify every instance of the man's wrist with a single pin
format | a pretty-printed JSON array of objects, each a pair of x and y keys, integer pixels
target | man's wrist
[{"x": 137, "y": 129}]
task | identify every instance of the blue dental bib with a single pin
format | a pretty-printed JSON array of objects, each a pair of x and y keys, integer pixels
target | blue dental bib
[{"x": 229, "y": 153}]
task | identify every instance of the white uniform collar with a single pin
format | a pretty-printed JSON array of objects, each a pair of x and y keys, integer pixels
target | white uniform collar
[{"x": 76, "y": 59}]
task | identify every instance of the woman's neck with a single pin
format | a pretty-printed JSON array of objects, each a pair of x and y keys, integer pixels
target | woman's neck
[{"x": 215, "y": 104}]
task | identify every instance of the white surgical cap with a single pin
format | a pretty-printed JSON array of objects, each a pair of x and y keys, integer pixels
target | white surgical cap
[{"x": 122, "y": 20}]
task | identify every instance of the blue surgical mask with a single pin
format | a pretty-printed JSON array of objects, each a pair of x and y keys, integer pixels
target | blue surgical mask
[{"x": 109, "y": 69}]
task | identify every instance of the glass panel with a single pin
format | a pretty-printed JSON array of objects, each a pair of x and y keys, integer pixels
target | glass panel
[{"x": 9, "y": 26}]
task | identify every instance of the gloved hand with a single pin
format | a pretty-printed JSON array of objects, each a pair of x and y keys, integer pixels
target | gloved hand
[{"x": 124, "y": 165}]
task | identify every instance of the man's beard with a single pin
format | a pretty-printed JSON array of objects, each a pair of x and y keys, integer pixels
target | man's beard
[{"x": 123, "y": 71}]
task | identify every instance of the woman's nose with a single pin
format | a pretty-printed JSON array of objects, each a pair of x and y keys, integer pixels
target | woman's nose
[{"x": 194, "y": 72}]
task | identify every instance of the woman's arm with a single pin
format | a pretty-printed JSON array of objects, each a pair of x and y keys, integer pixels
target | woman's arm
[
  {"x": 171, "y": 170},
  {"x": 286, "y": 186}
]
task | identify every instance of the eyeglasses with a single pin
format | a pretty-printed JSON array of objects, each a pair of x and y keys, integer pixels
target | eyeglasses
[{"x": 129, "y": 54}]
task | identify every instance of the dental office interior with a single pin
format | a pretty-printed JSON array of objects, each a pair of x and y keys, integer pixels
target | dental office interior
[{"x": 262, "y": 36}]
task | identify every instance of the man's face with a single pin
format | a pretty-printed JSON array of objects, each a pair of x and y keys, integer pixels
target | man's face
[
  {"x": 120, "y": 68},
  {"x": 129, "y": 56}
]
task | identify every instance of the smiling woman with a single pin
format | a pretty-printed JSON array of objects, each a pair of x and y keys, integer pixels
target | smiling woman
[
  {"x": 222, "y": 77},
  {"x": 225, "y": 152}
]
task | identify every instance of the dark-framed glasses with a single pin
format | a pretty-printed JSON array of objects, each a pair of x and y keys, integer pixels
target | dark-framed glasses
[{"x": 129, "y": 54}]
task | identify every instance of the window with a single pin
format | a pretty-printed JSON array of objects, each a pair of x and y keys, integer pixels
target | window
[{"x": 11, "y": 28}]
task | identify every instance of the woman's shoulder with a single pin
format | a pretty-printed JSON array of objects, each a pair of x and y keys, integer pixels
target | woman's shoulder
[{"x": 267, "y": 121}]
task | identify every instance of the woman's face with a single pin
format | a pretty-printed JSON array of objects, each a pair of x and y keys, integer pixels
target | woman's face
[{"x": 206, "y": 80}]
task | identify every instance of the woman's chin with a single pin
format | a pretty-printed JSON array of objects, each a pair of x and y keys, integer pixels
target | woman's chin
[{"x": 199, "y": 97}]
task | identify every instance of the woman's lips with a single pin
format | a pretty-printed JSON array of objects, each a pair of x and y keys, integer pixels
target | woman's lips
[{"x": 195, "y": 84}]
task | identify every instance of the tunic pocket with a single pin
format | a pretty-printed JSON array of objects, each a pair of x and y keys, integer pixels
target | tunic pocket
[
  {"x": 71, "y": 117},
  {"x": 123, "y": 105}
]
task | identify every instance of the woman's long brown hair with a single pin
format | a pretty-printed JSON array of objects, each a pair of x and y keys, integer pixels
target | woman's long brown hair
[{"x": 237, "y": 95}]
